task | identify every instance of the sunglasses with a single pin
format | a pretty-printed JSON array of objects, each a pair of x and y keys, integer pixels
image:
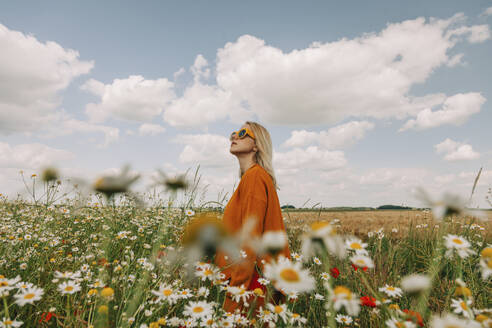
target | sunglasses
[{"x": 242, "y": 133}]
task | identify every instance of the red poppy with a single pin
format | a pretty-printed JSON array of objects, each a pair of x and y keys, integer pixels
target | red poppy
[
  {"x": 46, "y": 316},
  {"x": 355, "y": 268},
  {"x": 415, "y": 317},
  {"x": 368, "y": 301},
  {"x": 334, "y": 272}
]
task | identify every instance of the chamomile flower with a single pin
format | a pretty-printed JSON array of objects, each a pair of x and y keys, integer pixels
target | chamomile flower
[
  {"x": 391, "y": 291},
  {"x": 67, "y": 275},
  {"x": 458, "y": 244},
  {"x": 207, "y": 272},
  {"x": 265, "y": 315},
  {"x": 325, "y": 276},
  {"x": 415, "y": 283},
  {"x": 356, "y": 245},
  {"x": 461, "y": 307},
  {"x": 8, "y": 284},
  {"x": 344, "y": 319},
  {"x": 166, "y": 293},
  {"x": 452, "y": 321},
  {"x": 296, "y": 318},
  {"x": 28, "y": 295},
  {"x": 69, "y": 287},
  {"x": 239, "y": 293},
  {"x": 279, "y": 311},
  {"x": 273, "y": 242},
  {"x": 198, "y": 309},
  {"x": 395, "y": 323},
  {"x": 189, "y": 212},
  {"x": 343, "y": 297},
  {"x": 362, "y": 261},
  {"x": 289, "y": 276},
  {"x": 8, "y": 323},
  {"x": 486, "y": 262},
  {"x": 317, "y": 261}
]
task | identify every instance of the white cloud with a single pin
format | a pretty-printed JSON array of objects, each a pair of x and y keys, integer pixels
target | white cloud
[
  {"x": 456, "y": 151},
  {"x": 369, "y": 76},
  {"x": 133, "y": 99},
  {"x": 338, "y": 137},
  {"x": 476, "y": 33},
  {"x": 147, "y": 129},
  {"x": 203, "y": 103},
  {"x": 32, "y": 74},
  {"x": 65, "y": 125},
  {"x": 311, "y": 158},
  {"x": 487, "y": 12},
  {"x": 455, "y": 111},
  {"x": 208, "y": 150},
  {"x": 31, "y": 156}
]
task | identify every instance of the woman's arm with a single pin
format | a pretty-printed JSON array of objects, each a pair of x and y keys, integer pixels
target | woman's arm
[{"x": 253, "y": 208}]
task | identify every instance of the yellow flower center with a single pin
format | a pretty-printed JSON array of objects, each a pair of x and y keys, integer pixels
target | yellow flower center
[
  {"x": 290, "y": 275},
  {"x": 457, "y": 241},
  {"x": 360, "y": 262},
  {"x": 198, "y": 309},
  {"x": 69, "y": 288},
  {"x": 3, "y": 283},
  {"x": 464, "y": 306},
  {"x": 295, "y": 315},
  {"x": 342, "y": 291},
  {"x": 167, "y": 292},
  {"x": 258, "y": 291},
  {"x": 487, "y": 252},
  {"x": 399, "y": 324},
  {"x": 481, "y": 318},
  {"x": 278, "y": 309},
  {"x": 319, "y": 225},
  {"x": 8, "y": 322},
  {"x": 355, "y": 246},
  {"x": 489, "y": 264},
  {"x": 462, "y": 291},
  {"x": 390, "y": 288},
  {"x": 208, "y": 272},
  {"x": 29, "y": 296}
]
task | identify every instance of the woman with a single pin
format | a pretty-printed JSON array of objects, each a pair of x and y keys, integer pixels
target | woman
[{"x": 255, "y": 197}]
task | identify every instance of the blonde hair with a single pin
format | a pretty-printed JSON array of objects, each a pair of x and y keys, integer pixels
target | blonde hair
[{"x": 264, "y": 155}]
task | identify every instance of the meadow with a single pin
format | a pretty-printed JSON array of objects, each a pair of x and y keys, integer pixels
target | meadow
[{"x": 80, "y": 263}]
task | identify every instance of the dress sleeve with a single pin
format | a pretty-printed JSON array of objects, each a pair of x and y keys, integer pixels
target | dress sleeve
[{"x": 254, "y": 208}]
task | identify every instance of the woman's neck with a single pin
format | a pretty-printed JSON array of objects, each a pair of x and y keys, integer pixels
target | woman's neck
[{"x": 245, "y": 163}]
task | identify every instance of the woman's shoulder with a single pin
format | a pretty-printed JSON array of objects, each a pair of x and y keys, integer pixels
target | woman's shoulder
[{"x": 257, "y": 173}]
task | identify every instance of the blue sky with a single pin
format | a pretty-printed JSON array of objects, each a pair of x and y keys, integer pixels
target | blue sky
[{"x": 364, "y": 101}]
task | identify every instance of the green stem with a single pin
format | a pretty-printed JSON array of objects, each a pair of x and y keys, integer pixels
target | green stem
[{"x": 6, "y": 306}]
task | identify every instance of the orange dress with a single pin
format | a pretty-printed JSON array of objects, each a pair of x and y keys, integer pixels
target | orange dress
[{"x": 254, "y": 197}]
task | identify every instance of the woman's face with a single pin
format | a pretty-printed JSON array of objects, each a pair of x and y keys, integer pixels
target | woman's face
[{"x": 244, "y": 145}]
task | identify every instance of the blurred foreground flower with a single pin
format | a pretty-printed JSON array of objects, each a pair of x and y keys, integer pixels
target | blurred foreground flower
[
  {"x": 343, "y": 297},
  {"x": 415, "y": 283},
  {"x": 449, "y": 204},
  {"x": 49, "y": 174},
  {"x": 171, "y": 183},
  {"x": 322, "y": 238},
  {"x": 450, "y": 320},
  {"x": 112, "y": 184},
  {"x": 486, "y": 262}
]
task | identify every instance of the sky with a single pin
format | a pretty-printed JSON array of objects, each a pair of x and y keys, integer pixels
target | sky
[{"x": 364, "y": 101}]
